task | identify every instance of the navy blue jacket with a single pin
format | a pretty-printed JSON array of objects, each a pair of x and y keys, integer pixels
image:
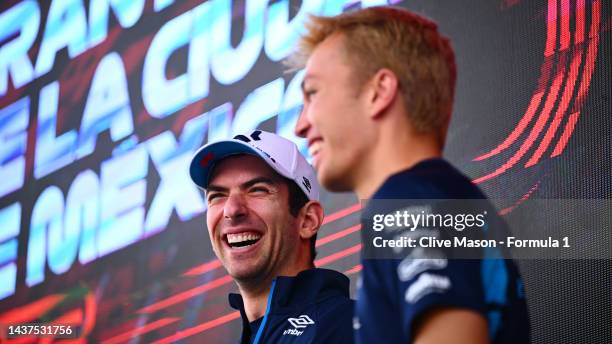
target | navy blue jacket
[
  {"x": 312, "y": 307},
  {"x": 395, "y": 293}
]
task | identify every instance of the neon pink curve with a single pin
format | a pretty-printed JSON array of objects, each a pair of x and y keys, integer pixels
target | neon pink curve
[
  {"x": 199, "y": 328},
  {"x": 565, "y": 24},
  {"x": 567, "y": 132},
  {"x": 580, "y": 13},
  {"x": 558, "y": 118},
  {"x": 586, "y": 80},
  {"x": 534, "y": 103},
  {"x": 567, "y": 92},
  {"x": 518, "y": 130},
  {"x": 535, "y": 131},
  {"x": 525, "y": 197},
  {"x": 591, "y": 56},
  {"x": 140, "y": 330},
  {"x": 551, "y": 24}
]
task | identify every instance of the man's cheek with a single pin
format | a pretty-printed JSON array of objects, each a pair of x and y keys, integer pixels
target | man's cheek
[{"x": 211, "y": 231}]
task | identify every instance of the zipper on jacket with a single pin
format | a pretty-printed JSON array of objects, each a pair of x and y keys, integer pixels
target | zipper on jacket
[{"x": 265, "y": 319}]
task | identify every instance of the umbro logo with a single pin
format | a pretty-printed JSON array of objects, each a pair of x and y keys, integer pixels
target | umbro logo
[
  {"x": 301, "y": 322},
  {"x": 298, "y": 323}
]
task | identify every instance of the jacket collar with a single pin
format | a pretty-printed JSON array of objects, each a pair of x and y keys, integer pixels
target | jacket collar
[{"x": 309, "y": 286}]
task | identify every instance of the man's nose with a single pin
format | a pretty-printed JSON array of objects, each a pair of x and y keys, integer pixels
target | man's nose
[
  {"x": 235, "y": 207},
  {"x": 303, "y": 125}
]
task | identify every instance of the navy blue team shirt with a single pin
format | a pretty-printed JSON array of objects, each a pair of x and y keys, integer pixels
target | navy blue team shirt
[
  {"x": 312, "y": 307},
  {"x": 389, "y": 303}
]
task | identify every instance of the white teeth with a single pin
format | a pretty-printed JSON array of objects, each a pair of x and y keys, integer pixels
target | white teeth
[
  {"x": 240, "y": 237},
  {"x": 314, "y": 148}
]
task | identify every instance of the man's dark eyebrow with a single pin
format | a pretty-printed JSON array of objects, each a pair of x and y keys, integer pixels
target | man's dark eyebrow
[
  {"x": 258, "y": 180},
  {"x": 245, "y": 185},
  {"x": 212, "y": 187}
]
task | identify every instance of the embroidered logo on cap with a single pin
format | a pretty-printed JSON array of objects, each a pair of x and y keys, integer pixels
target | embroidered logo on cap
[
  {"x": 205, "y": 160},
  {"x": 306, "y": 183}
]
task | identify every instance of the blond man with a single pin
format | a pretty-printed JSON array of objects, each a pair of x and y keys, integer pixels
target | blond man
[{"x": 378, "y": 92}]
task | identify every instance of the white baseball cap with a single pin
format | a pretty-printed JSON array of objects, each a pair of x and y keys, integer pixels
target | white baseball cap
[{"x": 278, "y": 152}]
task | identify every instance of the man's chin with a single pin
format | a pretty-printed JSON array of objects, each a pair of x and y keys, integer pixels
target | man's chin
[
  {"x": 245, "y": 273},
  {"x": 333, "y": 182}
]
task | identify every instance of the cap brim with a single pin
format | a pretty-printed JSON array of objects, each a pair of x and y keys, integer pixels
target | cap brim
[{"x": 205, "y": 159}]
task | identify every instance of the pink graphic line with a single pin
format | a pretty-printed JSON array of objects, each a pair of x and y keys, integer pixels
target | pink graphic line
[
  {"x": 525, "y": 197},
  {"x": 551, "y": 32},
  {"x": 140, "y": 330},
  {"x": 518, "y": 130},
  {"x": 558, "y": 118},
  {"x": 338, "y": 255},
  {"x": 567, "y": 132},
  {"x": 534, "y": 103},
  {"x": 535, "y": 131},
  {"x": 584, "y": 84},
  {"x": 341, "y": 213},
  {"x": 591, "y": 56},
  {"x": 338, "y": 235},
  {"x": 565, "y": 24},
  {"x": 186, "y": 295},
  {"x": 580, "y": 18},
  {"x": 355, "y": 269},
  {"x": 199, "y": 328},
  {"x": 568, "y": 91},
  {"x": 204, "y": 268}
]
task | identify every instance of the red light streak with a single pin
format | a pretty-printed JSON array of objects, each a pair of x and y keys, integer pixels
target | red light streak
[
  {"x": 341, "y": 213},
  {"x": 355, "y": 269},
  {"x": 140, "y": 330},
  {"x": 551, "y": 24},
  {"x": 199, "y": 328},
  {"x": 31, "y": 311},
  {"x": 204, "y": 268},
  {"x": 565, "y": 24},
  {"x": 337, "y": 235},
  {"x": 567, "y": 132},
  {"x": 180, "y": 297},
  {"x": 338, "y": 255},
  {"x": 518, "y": 130},
  {"x": 587, "y": 73},
  {"x": 535, "y": 131},
  {"x": 565, "y": 77},
  {"x": 566, "y": 97}
]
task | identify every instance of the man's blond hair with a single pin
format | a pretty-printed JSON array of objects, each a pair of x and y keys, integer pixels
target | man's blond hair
[{"x": 405, "y": 43}]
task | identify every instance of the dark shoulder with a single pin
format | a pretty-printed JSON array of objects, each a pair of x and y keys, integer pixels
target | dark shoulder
[
  {"x": 335, "y": 315},
  {"x": 429, "y": 179}
]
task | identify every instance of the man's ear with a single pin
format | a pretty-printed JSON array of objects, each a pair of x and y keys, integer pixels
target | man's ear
[
  {"x": 311, "y": 216},
  {"x": 382, "y": 89}
]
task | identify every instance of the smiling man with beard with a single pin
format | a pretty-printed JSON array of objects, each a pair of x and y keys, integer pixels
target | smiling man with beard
[{"x": 263, "y": 217}]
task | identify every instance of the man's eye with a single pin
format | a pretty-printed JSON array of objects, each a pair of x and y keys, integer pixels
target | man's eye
[
  {"x": 212, "y": 197},
  {"x": 259, "y": 189},
  {"x": 308, "y": 93}
]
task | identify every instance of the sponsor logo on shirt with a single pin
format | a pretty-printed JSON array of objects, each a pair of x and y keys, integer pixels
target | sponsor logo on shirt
[
  {"x": 298, "y": 323},
  {"x": 426, "y": 284},
  {"x": 409, "y": 268}
]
